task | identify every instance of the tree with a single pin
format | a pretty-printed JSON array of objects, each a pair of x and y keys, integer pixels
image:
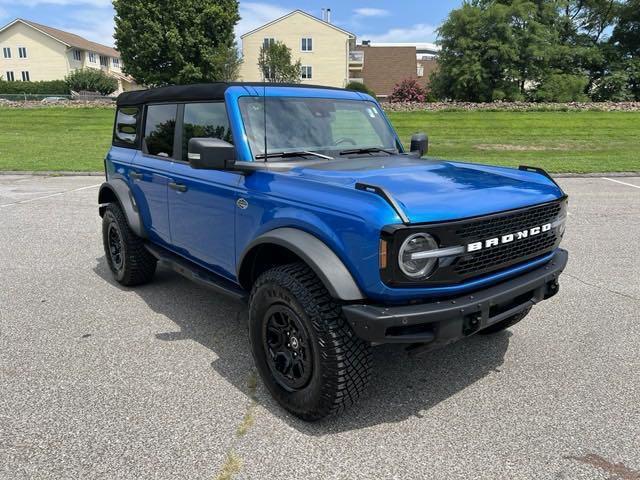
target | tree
[
  {"x": 275, "y": 63},
  {"x": 91, "y": 80},
  {"x": 177, "y": 41},
  {"x": 626, "y": 34}
]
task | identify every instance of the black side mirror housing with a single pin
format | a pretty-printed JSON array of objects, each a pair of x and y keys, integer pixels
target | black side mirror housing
[
  {"x": 419, "y": 144},
  {"x": 211, "y": 154}
]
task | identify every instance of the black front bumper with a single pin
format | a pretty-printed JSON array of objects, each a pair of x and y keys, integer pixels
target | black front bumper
[{"x": 445, "y": 321}]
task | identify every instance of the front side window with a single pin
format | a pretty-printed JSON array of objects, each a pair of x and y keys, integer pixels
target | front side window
[
  {"x": 307, "y": 45},
  {"x": 126, "y": 128},
  {"x": 204, "y": 120},
  {"x": 6, "y": 52},
  {"x": 160, "y": 126},
  {"x": 307, "y": 72},
  {"x": 322, "y": 125},
  {"x": 22, "y": 52},
  {"x": 10, "y": 77},
  {"x": 25, "y": 76}
]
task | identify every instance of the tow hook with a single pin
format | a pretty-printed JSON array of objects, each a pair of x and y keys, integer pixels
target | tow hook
[{"x": 471, "y": 324}]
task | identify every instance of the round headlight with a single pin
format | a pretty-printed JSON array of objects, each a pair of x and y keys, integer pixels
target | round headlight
[{"x": 409, "y": 259}]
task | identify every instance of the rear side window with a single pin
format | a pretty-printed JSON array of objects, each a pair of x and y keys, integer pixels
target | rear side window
[
  {"x": 204, "y": 120},
  {"x": 126, "y": 130},
  {"x": 159, "y": 131}
]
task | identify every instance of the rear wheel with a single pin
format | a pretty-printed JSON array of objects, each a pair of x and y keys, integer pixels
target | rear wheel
[
  {"x": 506, "y": 323},
  {"x": 305, "y": 351},
  {"x": 128, "y": 259}
]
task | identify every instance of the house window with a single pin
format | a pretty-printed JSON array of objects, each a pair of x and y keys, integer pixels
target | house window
[
  {"x": 25, "y": 76},
  {"x": 420, "y": 71},
  {"x": 22, "y": 52},
  {"x": 307, "y": 72},
  {"x": 267, "y": 42},
  {"x": 92, "y": 57},
  {"x": 10, "y": 77},
  {"x": 77, "y": 55},
  {"x": 307, "y": 45},
  {"x": 116, "y": 62},
  {"x": 6, "y": 51}
]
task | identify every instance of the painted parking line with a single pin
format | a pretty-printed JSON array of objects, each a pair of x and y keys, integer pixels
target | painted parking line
[
  {"x": 622, "y": 183},
  {"x": 57, "y": 194}
]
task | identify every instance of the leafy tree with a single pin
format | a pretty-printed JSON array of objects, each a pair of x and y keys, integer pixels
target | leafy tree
[
  {"x": 177, "y": 41},
  {"x": 276, "y": 65},
  {"x": 626, "y": 34},
  {"x": 561, "y": 87},
  {"x": 91, "y": 80}
]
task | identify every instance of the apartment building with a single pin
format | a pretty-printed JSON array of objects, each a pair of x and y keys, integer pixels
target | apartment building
[
  {"x": 322, "y": 48},
  {"x": 30, "y": 51}
]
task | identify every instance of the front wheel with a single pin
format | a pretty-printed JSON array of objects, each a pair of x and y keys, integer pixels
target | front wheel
[{"x": 305, "y": 351}]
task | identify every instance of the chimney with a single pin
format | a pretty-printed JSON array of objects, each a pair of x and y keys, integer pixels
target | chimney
[
  {"x": 328, "y": 15},
  {"x": 323, "y": 16}
]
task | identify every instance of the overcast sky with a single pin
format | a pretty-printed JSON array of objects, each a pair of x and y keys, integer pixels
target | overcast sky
[{"x": 398, "y": 21}]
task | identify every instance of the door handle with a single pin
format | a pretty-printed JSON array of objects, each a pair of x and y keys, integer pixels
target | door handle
[
  {"x": 177, "y": 186},
  {"x": 135, "y": 175}
]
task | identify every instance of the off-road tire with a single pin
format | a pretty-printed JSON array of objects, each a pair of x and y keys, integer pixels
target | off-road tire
[
  {"x": 341, "y": 361},
  {"x": 506, "y": 323},
  {"x": 136, "y": 265}
]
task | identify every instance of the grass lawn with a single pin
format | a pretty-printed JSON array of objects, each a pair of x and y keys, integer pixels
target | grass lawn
[{"x": 77, "y": 139}]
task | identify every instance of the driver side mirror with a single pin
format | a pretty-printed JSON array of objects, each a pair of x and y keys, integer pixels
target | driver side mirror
[
  {"x": 211, "y": 154},
  {"x": 419, "y": 144}
]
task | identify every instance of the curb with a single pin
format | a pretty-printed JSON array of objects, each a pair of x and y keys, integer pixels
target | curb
[{"x": 101, "y": 174}]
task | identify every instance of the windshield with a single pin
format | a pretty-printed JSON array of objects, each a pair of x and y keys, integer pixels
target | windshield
[{"x": 319, "y": 125}]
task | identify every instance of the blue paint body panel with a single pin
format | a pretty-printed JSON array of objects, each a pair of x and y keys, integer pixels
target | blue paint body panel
[{"x": 205, "y": 226}]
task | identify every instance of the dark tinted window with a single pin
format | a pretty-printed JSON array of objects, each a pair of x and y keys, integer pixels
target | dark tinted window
[
  {"x": 204, "y": 120},
  {"x": 159, "y": 130},
  {"x": 126, "y": 131}
]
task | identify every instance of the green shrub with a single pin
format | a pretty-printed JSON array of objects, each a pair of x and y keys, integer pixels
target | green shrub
[
  {"x": 91, "y": 80},
  {"x": 360, "y": 87},
  {"x": 562, "y": 88},
  {"x": 408, "y": 90},
  {"x": 613, "y": 87},
  {"x": 53, "y": 87}
]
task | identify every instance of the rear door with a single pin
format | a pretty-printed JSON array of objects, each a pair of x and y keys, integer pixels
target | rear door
[
  {"x": 202, "y": 203},
  {"x": 149, "y": 176}
]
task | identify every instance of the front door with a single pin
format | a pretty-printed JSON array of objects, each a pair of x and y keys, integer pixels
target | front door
[{"x": 202, "y": 203}]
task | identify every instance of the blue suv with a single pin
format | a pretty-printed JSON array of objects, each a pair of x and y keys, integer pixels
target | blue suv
[{"x": 303, "y": 202}]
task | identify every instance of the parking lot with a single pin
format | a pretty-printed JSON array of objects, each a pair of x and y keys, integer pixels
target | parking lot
[{"x": 100, "y": 381}]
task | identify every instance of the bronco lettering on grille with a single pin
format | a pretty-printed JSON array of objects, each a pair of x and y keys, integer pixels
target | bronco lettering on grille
[{"x": 508, "y": 238}]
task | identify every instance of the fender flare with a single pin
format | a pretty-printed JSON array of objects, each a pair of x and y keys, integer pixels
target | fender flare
[
  {"x": 119, "y": 188},
  {"x": 321, "y": 259}
]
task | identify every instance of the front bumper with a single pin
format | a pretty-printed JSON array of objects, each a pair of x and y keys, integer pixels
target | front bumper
[{"x": 445, "y": 321}]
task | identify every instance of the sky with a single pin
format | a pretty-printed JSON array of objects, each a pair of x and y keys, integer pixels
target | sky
[{"x": 398, "y": 21}]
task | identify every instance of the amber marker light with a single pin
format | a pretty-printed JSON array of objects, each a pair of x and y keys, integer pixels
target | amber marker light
[{"x": 383, "y": 254}]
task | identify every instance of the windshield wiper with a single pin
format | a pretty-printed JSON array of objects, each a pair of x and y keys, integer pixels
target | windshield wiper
[
  {"x": 367, "y": 150},
  {"x": 301, "y": 153}
]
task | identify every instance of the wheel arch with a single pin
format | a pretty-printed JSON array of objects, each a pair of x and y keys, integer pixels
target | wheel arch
[
  {"x": 117, "y": 191},
  {"x": 288, "y": 245}
]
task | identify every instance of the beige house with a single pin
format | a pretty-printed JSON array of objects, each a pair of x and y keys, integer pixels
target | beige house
[
  {"x": 323, "y": 48},
  {"x": 32, "y": 52}
]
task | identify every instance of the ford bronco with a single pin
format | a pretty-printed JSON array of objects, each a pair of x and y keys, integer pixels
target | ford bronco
[{"x": 303, "y": 202}]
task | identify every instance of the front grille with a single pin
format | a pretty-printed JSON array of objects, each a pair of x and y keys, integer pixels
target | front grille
[
  {"x": 508, "y": 253},
  {"x": 513, "y": 222}
]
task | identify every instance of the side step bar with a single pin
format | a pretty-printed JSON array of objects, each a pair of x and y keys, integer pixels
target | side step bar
[{"x": 197, "y": 274}]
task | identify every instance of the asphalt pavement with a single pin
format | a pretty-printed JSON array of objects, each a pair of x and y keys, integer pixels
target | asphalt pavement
[{"x": 100, "y": 381}]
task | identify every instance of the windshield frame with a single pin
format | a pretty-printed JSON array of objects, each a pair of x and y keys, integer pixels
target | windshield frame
[{"x": 306, "y": 93}]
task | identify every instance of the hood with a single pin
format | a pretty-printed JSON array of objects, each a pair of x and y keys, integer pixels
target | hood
[{"x": 432, "y": 191}]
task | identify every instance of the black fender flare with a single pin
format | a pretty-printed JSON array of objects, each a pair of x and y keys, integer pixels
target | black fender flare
[
  {"x": 314, "y": 252},
  {"x": 119, "y": 189}
]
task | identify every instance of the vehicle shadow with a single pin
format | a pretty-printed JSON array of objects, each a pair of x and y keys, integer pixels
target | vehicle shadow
[{"x": 401, "y": 386}]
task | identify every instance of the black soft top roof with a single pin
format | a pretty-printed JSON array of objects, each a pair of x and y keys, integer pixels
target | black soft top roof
[{"x": 198, "y": 91}]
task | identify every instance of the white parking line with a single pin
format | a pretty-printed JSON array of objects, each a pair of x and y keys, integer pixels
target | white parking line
[
  {"x": 29, "y": 200},
  {"x": 622, "y": 183}
]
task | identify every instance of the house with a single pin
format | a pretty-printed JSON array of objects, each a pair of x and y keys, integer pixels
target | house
[
  {"x": 323, "y": 48},
  {"x": 386, "y": 64},
  {"x": 30, "y": 51}
]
